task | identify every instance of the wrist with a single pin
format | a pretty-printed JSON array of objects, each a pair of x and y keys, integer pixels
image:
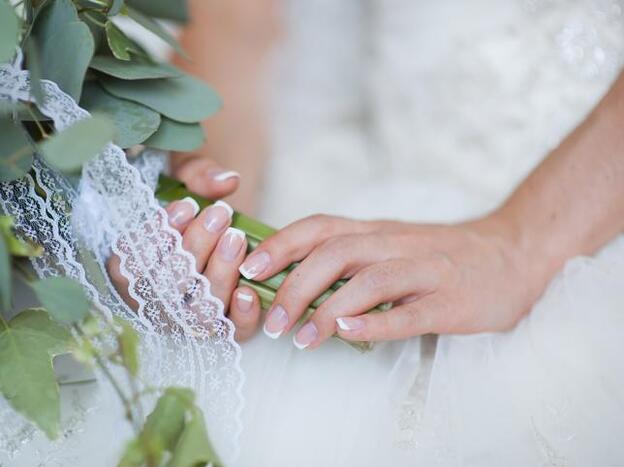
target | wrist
[{"x": 522, "y": 250}]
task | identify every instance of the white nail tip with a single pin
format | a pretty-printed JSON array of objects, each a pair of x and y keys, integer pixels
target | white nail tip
[
  {"x": 272, "y": 335},
  {"x": 245, "y": 297},
  {"x": 234, "y": 231},
  {"x": 193, "y": 203},
  {"x": 298, "y": 345},
  {"x": 226, "y": 175},
  {"x": 247, "y": 274},
  {"x": 225, "y": 206},
  {"x": 342, "y": 324}
]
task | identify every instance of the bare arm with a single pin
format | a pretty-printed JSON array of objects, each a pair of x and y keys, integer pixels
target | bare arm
[
  {"x": 478, "y": 276},
  {"x": 573, "y": 203},
  {"x": 230, "y": 42}
]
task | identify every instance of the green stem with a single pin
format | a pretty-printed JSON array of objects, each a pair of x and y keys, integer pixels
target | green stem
[
  {"x": 116, "y": 386},
  {"x": 169, "y": 190}
]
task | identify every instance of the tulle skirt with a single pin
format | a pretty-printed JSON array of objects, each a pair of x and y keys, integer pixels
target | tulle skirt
[{"x": 550, "y": 392}]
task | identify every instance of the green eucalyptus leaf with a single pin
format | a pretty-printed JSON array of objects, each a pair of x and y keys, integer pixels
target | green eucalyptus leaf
[
  {"x": 65, "y": 56},
  {"x": 27, "y": 345},
  {"x": 5, "y": 274},
  {"x": 133, "y": 455},
  {"x": 115, "y": 7},
  {"x": 71, "y": 148},
  {"x": 185, "y": 99},
  {"x": 34, "y": 69},
  {"x": 9, "y": 30},
  {"x": 156, "y": 29},
  {"x": 128, "y": 346},
  {"x": 134, "y": 123},
  {"x": 194, "y": 447},
  {"x": 16, "y": 150},
  {"x": 94, "y": 19},
  {"x": 119, "y": 43},
  {"x": 65, "y": 45},
  {"x": 16, "y": 246},
  {"x": 176, "y": 136},
  {"x": 175, "y": 10},
  {"x": 65, "y": 299},
  {"x": 53, "y": 16},
  {"x": 133, "y": 69}
]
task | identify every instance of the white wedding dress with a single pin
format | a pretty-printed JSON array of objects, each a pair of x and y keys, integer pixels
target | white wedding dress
[{"x": 435, "y": 111}]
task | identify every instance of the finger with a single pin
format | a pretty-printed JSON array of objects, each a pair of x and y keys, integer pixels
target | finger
[
  {"x": 337, "y": 257},
  {"x": 379, "y": 283},
  {"x": 182, "y": 212},
  {"x": 295, "y": 242},
  {"x": 413, "y": 319},
  {"x": 205, "y": 177},
  {"x": 222, "y": 267},
  {"x": 245, "y": 312},
  {"x": 202, "y": 234}
]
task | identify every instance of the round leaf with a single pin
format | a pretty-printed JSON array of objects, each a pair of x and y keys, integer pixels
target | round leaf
[
  {"x": 132, "y": 69},
  {"x": 15, "y": 151},
  {"x": 27, "y": 378},
  {"x": 64, "y": 299},
  {"x": 134, "y": 123},
  {"x": 5, "y": 274},
  {"x": 176, "y": 136},
  {"x": 65, "y": 56},
  {"x": 9, "y": 29},
  {"x": 119, "y": 43},
  {"x": 185, "y": 99},
  {"x": 73, "y": 147},
  {"x": 167, "y": 9}
]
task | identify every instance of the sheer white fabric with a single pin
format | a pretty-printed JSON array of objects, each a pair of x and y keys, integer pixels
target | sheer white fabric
[
  {"x": 185, "y": 338},
  {"x": 434, "y": 111}
]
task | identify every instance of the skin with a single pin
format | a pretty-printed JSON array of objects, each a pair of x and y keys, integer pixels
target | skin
[
  {"x": 471, "y": 277},
  {"x": 477, "y": 276},
  {"x": 230, "y": 48}
]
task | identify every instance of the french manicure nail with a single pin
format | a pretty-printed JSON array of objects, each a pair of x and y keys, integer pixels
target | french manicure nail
[
  {"x": 350, "y": 324},
  {"x": 183, "y": 211},
  {"x": 305, "y": 336},
  {"x": 276, "y": 321},
  {"x": 217, "y": 216},
  {"x": 231, "y": 243},
  {"x": 223, "y": 175},
  {"x": 244, "y": 301},
  {"x": 255, "y": 264}
]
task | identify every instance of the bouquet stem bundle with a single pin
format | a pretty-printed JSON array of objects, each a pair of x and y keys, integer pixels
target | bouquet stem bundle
[{"x": 170, "y": 189}]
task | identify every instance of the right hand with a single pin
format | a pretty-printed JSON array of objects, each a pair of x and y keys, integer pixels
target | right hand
[{"x": 218, "y": 250}]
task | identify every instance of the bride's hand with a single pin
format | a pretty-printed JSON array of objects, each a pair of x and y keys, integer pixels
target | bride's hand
[
  {"x": 218, "y": 250},
  {"x": 465, "y": 278},
  {"x": 204, "y": 176}
]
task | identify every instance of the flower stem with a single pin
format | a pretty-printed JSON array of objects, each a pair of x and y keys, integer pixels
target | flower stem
[{"x": 169, "y": 190}]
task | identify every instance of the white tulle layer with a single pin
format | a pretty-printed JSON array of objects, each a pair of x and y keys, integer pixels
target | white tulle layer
[{"x": 548, "y": 393}]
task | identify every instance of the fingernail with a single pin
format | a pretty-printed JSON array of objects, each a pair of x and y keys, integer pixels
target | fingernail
[
  {"x": 350, "y": 324},
  {"x": 223, "y": 175},
  {"x": 244, "y": 301},
  {"x": 231, "y": 243},
  {"x": 217, "y": 216},
  {"x": 305, "y": 336},
  {"x": 255, "y": 264},
  {"x": 183, "y": 211},
  {"x": 276, "y": 321}
]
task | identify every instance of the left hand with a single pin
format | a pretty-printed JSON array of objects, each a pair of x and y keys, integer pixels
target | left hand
[{"x": 464, "y": 278}]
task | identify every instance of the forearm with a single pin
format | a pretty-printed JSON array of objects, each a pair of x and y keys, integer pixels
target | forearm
[
  {"x": 229, "y": 43},
  {"x": 573, "y": 203}
]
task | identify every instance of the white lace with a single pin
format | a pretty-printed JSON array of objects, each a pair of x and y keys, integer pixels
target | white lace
[{"x": 186, "y": 339}]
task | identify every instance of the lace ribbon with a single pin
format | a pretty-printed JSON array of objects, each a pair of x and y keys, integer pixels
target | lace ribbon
[{"x": 185, "y": 338}]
